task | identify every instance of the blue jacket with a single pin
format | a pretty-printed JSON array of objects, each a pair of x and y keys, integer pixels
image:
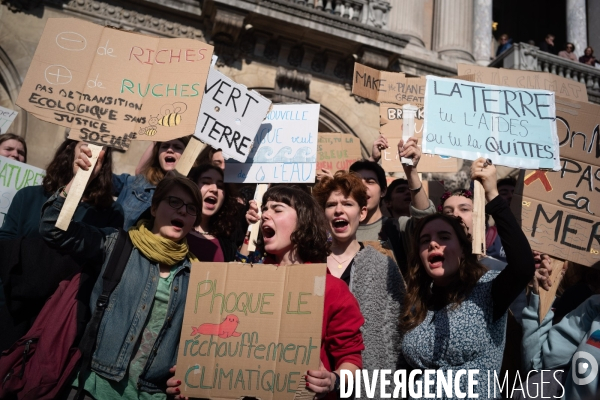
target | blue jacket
[
  {"x": 129, "y": 304},
  {"x": 134, "y": 194}
]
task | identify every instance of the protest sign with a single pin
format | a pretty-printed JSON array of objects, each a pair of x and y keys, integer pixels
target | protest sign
[
  {"x": 391, "y": 126},
  {"x": 230, "y": 116},
  {"x": 337, "y": 151},
  {"x": 111, "y": 86},
  {"x": 387, "y": 87},
  {"x": 512, "y": 127},
  {"x": 563, "y": 87},
  {"x": 251, "y": 330},
  {"x": 284, "y": 150},
  {"x": 15, "y": 175},
  {"x": 7, "y": 116},
  {"x": 560, "y": 211}
]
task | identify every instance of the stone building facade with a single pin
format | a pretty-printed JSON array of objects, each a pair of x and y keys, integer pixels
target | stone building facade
[{"x": 289, "y": 50}]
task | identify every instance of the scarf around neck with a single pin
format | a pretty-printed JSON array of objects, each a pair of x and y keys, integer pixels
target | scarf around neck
[{"x": 156, "y": 248}]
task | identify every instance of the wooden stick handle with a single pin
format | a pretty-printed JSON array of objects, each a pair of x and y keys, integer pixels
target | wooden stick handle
[
  {"x": 478, "y": 219},
  {"x": 261, "y": 188},
  {"x": 76, "y": 191},
  {"x": 189, "y": 156}
]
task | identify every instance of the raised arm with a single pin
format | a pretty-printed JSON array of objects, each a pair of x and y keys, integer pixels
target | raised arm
[
  {"x": 419, "y": 199},
  {"x": 520, "y": 266}
]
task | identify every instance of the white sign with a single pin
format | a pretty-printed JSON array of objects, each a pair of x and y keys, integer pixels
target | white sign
[
  {"x": 15, "y": 175},
  {"x": 285, "y": 148},
  {"x": 7, "y": 116},
  {"x": 230, "y": 116}
]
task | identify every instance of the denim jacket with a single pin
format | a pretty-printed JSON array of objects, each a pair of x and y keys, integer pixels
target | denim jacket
[
  {"x": 129, "y": 304},
  {"x": 134, "y": 194}
]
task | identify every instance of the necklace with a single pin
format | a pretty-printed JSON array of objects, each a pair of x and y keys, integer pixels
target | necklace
[
  {"x": 201, "y": 232},
  {"x": 341, "y": 263}
]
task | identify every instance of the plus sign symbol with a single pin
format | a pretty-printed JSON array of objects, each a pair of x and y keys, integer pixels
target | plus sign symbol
[{"x": 58, "y": 75}]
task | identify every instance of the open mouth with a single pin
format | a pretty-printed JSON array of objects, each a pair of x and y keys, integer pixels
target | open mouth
[
  {"x": 170, "y": 159},
  {"x": 268, "y": 232},
  {"x": 436, "y": 260},
  {"x": 210, "y": 200},
  {"x": 339, "y": 224},
  {"x": 178, "y": 223}
]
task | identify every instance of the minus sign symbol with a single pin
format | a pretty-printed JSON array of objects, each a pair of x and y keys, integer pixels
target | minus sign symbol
[{"x": 72, "y": 40}]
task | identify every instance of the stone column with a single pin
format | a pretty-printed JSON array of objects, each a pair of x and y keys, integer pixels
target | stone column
[
  {"x": 577, "y": 25},
  {"x": 482, "y": 31},
  {"x": 406, "y": 17},
  {"x": 453, "y": 28}
]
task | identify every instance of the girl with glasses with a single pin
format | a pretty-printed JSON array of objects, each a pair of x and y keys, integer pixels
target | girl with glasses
[{"x": 146, "y": 308}]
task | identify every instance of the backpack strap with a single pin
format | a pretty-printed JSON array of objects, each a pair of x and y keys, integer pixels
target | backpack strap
[{"x": 110, "y": 279}]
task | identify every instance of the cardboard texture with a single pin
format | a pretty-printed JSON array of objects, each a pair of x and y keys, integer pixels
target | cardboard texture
[
  {"x": 563, "y": 87},
  {"x": 230, "y": 116},
  {"x": 7, "y": 116},
  {"x": 337, "y": 151},
  {"x": 570, "y": 195},
  {"x": 111, "y": 86},
  {"x": 14, "y": 176},
  {"x": 284, "y": 150},
  {"x": 387, "y": 87},
  {"x": 251, "y": 330},
  {"x": 512, "y": 127}
]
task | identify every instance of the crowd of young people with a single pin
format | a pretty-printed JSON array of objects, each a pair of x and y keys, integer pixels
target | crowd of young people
[{"x": 403, "y": 289}]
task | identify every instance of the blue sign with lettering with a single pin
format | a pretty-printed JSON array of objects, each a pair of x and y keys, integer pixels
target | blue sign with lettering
[
  {"x": 284, "y": 149},
  {"x": 512, "y": 127}
]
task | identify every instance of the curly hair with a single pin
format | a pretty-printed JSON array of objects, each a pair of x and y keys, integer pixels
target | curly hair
[
  {"x": 349, "y": 183},
  {"x": 225, "y": 221},
  {"x": 152, "y": 170},
  {"x": 11, "y": 136},
  {"x": 310, "y": 236},
  {"x": 418, "y": 298},
  {"x": 60, "y": 172}
]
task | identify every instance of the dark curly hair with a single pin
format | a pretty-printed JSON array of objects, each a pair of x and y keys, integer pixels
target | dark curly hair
[
  {"x": 60, "y": 172},
  {"x": 225, "y": 221},
  {"x": 418, "y": 298},
  {"x": 310, "y": 236}
]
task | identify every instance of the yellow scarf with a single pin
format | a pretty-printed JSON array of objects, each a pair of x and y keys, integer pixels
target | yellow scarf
[{"x": 156, "y": 248}]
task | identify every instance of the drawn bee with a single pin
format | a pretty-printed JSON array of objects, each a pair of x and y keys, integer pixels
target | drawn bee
[
  {"x": 171, "y": 114},
  {"x": 151, "y": 129}
]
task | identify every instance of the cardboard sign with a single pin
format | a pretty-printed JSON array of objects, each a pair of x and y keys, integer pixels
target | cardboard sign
[
  {"x": 7, "y": 116},
  {"x": 512, "y": 127},
  {"x": 563, "y": 87},
  {"x": 230, "y": 116},
  {"x": 251, "y": 330},
  {"x": 387, "y": 87},
  {"x": 111, "y": 86},
  {"x": 337, "y": 151},
  {"x": 560, "y": 211},
  {"x": 391, "y": 126},
  {"x": 285, "y": 148},
  {"x": 15, "y": 175}
]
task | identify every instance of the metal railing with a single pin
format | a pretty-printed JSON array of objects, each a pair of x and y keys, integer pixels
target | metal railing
[{"x": 522, "y": 56}]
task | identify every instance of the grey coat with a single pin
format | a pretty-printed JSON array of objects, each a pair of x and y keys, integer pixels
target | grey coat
[{"x": 376, "y": 283}]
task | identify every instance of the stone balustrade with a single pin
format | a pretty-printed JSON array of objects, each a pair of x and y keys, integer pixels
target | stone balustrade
[
  {"x": 371, "y": 12},
  {"x": 526, "y": 57}
]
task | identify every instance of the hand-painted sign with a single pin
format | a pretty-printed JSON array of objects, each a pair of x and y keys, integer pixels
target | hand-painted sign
[
  {"x": 15, "y": 175},
  {"x": 111, "y": 86},
  {"x": 337, "y": 151},
  {"x": 251, "y": 330},
  {"x": 285, "y": 148},
  {"x": 512, "y": 127},
  {"x": 7, "y": 116},
  {"x": 230, "y": 116},
  {"x": 560, "y": 211}
]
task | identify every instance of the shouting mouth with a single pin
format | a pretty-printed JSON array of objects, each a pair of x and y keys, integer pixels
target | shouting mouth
[
  {"x": 339, "y": 225},
  {"x": 210, "y": 202},
  {"x": 268, "y": 233},
  {"x": 177, "y": 224},
  {"x": 436, "y": 260}
]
